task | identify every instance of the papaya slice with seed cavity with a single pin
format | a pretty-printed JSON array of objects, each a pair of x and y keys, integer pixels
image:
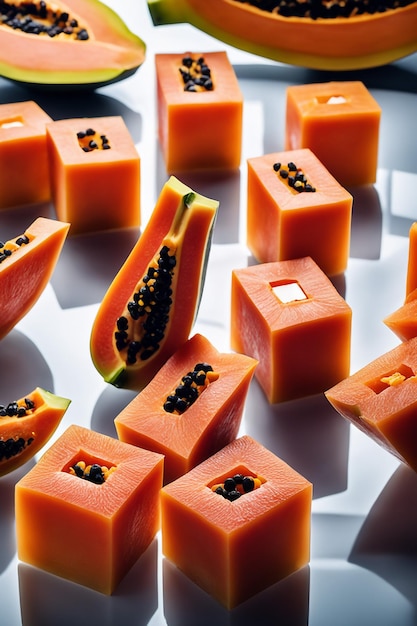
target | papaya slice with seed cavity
[
  {"x": 150, "y": 307},
  {"x": 357, "y": 41},
  {"x": 26, "y": 425},
  {"x": 26, "y": 265},
  {"x": 76, "y": 43}
]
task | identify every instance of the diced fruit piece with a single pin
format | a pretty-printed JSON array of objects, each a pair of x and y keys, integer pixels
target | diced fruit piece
[
  {"x": 150, "y": 307},
  {"x": 295, "y": 208},
  {"x": 191, "y": 408},
  {"x": 26, "y": 265},
  {"x": 83, "y": 529},
  {"x": 95, "y": 173},
  {"x": 411, "y": 283},
  {"x": 200, "y": 109},
  {"x": 289, "y": 316},
  {"x": 403, "y": 321},
  {"x": 339, "y": 121},
  {"x": 234, "y": 547},
  {"x": 26, "y": 425},
  {"x": 381, "y": 400},
  {"x": 24, "y": 168}
]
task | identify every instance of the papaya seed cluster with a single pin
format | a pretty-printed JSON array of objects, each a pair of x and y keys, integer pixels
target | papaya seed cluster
[
  {"x": 94, "y": 472},
  {"x": 294, "y": 177},
  {"x": 190, "y": 388},
  {"x": 325, "y": 9},
  {"x": 91, "y": 140},
  {"x": 41, "y": 18},
  {"x": 7, "y": 248},
  {"x": 196, "y": 74},
  {"x": 236, "y": 486}
]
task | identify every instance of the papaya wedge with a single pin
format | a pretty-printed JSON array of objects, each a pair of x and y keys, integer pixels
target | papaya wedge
[
  {"x": 151, "y": 305},
  {"x": 73, "y": 43},
  {"x": 359, "y": 41},
  {"x": 26, "y": 425}
]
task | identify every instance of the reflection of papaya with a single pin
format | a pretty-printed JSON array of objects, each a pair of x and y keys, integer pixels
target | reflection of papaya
[
  {"x": 26, "y": 425},
  {"x": 330, "y": 41},
  {"x": 151, "y": 305},
  {"x": 79, "y": 42},
  {"x": 26, "y": 265}
]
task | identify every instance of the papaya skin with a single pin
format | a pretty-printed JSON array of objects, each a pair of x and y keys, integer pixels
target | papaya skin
[
  {"x": 39, "y": 425},
  {"x": 325, "y": 44},
  {"x": 186, "y": 218},
  {"x": 112, "y": 52}
]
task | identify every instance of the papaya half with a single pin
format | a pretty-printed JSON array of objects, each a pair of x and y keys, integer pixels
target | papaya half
[
  {"x": 72, "y": 43},
  {"x": 151, "y": 305},
  {"x": 26, "y": 265},
  {"x": 26, "y": 425},
  {"x": 318, "y": 35}
]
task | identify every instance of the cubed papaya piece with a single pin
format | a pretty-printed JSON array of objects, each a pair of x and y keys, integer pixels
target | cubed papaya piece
[
  {"x": 89, "y": 508},
  {"x": 192, "y": 407},
  {"x": 403, "y": 321},
  {"x": 95, "y": 173},
  {"x": 200, "y": 109},
  {"x": 24, "y": 167},
  {"x": 339, "y": 121},
  {"x": 381, "y": 400},
  {"x": 234, "y": 546},
  {"x": 295, "y": 208},
  {"x": 289, "y": 316}
]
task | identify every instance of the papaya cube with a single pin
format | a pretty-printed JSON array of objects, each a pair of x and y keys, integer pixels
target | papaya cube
[
  {"x": 283, "y": 223},
  {"x": 339, "y": 122},
  {"x": 381, "y": 400},
  {"x": 246, "y": 544},
  {"x": 199, "y": 128},
  {"x": 95, "y": 173},
  {"x": 190, "y": 434},
  {"x": 24, "y": 169},
  {"x": 289, "y": 316},
  {"x": 87, "y": 531}
]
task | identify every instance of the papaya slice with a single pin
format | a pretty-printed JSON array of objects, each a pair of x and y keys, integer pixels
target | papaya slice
[
  {"x": 71, "y": 43},
  {"x": 26, "y": 425},
  {"x": 332, "y": 42},
  {"x": 245, "y": 543},
  {"x": 381, "y": 400},
  {"x": 96, "y": 529},
  {"x": 403, "y": 321},
  {"x": 150, "y": 307},
  {"x": 26, "y": 265},
  {"x": 411, "y": 282},
  {"x": 192, "y": 407}
]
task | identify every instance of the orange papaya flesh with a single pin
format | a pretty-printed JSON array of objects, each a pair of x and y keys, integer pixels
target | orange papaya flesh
[
  {"x": 70, "y": 43},
  {"x": 96, "y": 532},
  {"x": 411, "y": 282},
  {"x": 150, "y": 307},
  {"x": 403, "y": 321},
  {"x": 245, "y": 544},
  {"x": 26, "y": 265},
  {"x": 381, "y": 400},
  {"x": 24, "y": 166},
  {"x": 26, "y": 425},
  {"x": 340, "y": 43},
  {"x": 167, "y": 417}
]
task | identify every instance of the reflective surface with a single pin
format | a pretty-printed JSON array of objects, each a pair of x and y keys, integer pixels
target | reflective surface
[{"x": 363, "y": 568}]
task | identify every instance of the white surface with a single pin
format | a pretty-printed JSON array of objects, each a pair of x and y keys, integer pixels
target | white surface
[{"x": 364, "y": 543}]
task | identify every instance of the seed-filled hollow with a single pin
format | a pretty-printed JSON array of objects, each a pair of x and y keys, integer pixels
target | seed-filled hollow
[
  {"x": 41, "y": 18},
  {"x": 90, "y": 140},
  {"x": 12, "y": 446},
  {"x": 7, "y": 248},
  {"x": 326, "y": 9},
  {"x": 141, "y": 328},
  {"x": 190, "y": 388},
  {"x": 294, "y": 177},
  {"x": 196, "y": 74},
  {"x": 93, "y": 472},
  {"x": 233, "y": 487}
]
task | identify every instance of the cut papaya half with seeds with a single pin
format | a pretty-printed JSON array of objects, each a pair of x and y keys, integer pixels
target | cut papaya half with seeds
[
  {"x": 151, "y": 306},
  {"x": 26, "y": 265},
  {"x": 26, "y": 425},
  {"x": 320, "y": 35},
  {"x": 74, "y": 43}
]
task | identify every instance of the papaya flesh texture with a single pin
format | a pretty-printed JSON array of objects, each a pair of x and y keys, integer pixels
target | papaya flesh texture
[
  {"x": 339, "y": 43},
  {"x": 98, "y": 48},
  {"x": 150, "y": 307},
  {"x": 26, "y": 425},
  {"x": 26, "y": 265}
]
